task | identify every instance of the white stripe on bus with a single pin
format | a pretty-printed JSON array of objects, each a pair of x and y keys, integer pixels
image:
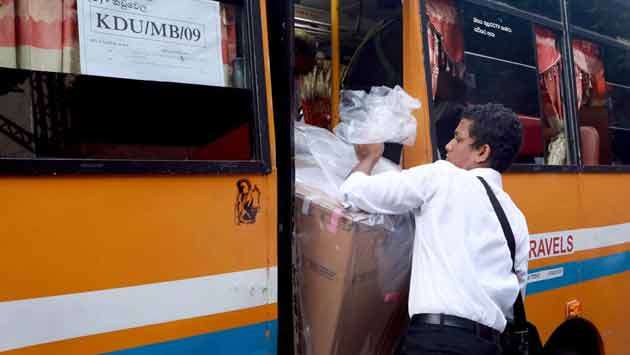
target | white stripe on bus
[
  {"x": 42, "y": 320},
  {"x": 579, "y": 239}
]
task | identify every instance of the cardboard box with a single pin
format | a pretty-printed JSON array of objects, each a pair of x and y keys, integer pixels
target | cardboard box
[{"x": 351, "y": 277}]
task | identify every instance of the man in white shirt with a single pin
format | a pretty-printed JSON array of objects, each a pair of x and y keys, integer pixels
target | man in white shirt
[{"x": 462, "y": 285}]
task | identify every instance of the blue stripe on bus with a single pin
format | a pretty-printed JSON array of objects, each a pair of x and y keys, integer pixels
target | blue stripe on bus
[
  {"x": 581, "y": 271},
  {"x": 257, "y": 339}
]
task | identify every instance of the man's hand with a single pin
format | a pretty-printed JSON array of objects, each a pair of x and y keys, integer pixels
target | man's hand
[
  {"x": 369, "y": 151},
  {"x": 368, "y": 155}
]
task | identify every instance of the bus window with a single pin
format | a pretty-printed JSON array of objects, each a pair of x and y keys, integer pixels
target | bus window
[
  {"x": 617, "y": 64},
  {"x": 478, "y": 54},
  {"x": 165, "y": 98},
  {"x": 378, "y": 61},
  {"x": 500, "y": 60},
  {"x": 603, "y": 96},
  {"x": 446, "y": 67},
  {"x": 606, "y": 17},
  {"x": 548, "y": 8},
  {"x": 553, "y": 114}
]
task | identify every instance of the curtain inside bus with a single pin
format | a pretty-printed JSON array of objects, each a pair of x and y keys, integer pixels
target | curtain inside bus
[
  {"x": 590, "y": 79},
  {"x": 446, "y": 41},
  {"x": 549, "y": 68},
  {"x": 39, "y": 35}
]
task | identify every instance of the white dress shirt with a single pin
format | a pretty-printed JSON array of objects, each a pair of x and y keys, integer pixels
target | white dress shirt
[{"x": 461, "y": 262}]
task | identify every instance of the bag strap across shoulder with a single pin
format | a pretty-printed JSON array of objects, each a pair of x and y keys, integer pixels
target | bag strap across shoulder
[{"x": 519, "y": 308}]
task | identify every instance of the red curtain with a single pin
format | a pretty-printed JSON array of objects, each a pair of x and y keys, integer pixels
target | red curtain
[
  {"x": 443, "y": 17},
  {"x": 444, "y": 29},
  {"x": 39, "y": 35},
  {"x": 433, "y": 59},
  {"x": 549, "y": 66},
  {"x": 7, "y": 34},
  {"x": 228, "y": 42},
  {"x": 590, "y": 78}
]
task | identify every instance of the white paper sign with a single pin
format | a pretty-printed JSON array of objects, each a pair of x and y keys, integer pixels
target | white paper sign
[{"x": 161, "y": 40}]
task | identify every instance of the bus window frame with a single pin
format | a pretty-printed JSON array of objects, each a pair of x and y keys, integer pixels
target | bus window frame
[
  {"x": 606, "y": 169},
  {"x": 260, "y": 163},
  {"x": 524, "y": 14},
  {"x": 573, "y": 154},
  {"x": 598, "y": 38}
]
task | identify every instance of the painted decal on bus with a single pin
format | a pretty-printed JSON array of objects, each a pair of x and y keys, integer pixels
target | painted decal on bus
[{"x": 247, "y": 202}]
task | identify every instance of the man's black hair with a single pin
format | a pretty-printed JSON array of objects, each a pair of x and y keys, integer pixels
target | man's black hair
[{"x": 498, "y": 127}]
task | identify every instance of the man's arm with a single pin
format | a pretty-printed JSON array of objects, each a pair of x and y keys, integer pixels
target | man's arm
[
  {"x": 392, "y": 192},
  {"x": 522, "y": 258}
]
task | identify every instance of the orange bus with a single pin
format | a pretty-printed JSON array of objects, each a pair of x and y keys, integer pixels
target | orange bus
[
  {"x": 146, "y": 165},
  {"x": 139, "y": 179}
]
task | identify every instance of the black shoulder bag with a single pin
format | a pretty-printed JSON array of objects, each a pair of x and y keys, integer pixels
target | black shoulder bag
[{"x": 520, "y": 336}]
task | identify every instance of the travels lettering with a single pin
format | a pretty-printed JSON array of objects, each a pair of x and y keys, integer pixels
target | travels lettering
[{"x": 550, "y": 246}]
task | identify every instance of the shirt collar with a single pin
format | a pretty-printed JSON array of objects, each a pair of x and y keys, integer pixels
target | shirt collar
[{"x": 492, "y": 176}]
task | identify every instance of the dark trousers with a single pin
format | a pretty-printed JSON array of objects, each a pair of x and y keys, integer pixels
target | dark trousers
[{"x": 430, "y": 339}]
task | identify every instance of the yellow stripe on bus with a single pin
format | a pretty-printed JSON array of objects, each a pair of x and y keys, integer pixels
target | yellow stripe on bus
[
  {"x": 553, "y": 202},
  {"x": 90, "y": 234}
]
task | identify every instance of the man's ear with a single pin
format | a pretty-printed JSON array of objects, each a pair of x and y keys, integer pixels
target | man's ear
[{"x": 483, "y": 154}]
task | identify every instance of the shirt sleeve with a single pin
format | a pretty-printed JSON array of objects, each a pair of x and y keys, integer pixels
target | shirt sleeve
[
  {"x": 393, "y": 192},
  {"x": 522, "y": 257}
]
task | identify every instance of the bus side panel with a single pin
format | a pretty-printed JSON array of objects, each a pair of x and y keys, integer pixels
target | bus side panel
[
  {"x": 588, "y": 212},
  {"x": 94, "y": 255},
  {"x": 547, "y": 309},
  {"x": 604, "y": 302},
  {"x": 604, "y": 198},
  {"x": 69, "y": 235},
  {"x": 548, "y": 201},
  {"x": 167, "y": 264},
  {"x": 604, "y": 201}
]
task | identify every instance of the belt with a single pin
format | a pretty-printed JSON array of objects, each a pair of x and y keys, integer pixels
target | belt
[{"x": 480, "y": 330}]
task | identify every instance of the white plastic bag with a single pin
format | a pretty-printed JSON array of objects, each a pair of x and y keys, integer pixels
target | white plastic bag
[
  {"x": 326, "y": 160},
  {"x": 383, "y": 115}
]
